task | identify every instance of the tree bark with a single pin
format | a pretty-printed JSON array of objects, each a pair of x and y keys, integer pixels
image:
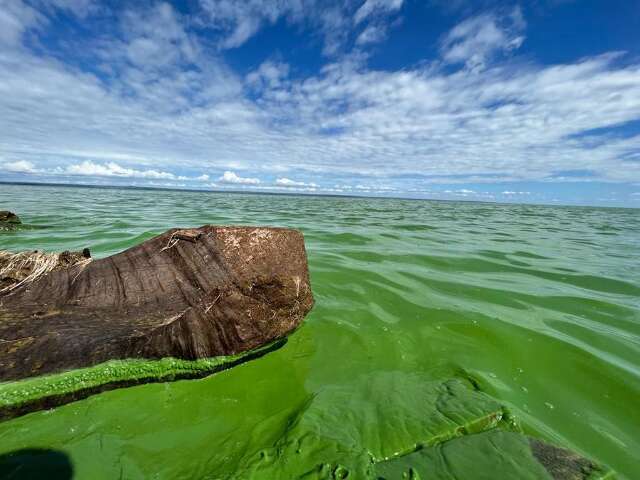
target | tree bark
[{"x": 187, "y": 294}]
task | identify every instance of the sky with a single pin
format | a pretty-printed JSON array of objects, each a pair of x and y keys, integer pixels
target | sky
[{"x": 535, "y": 102}]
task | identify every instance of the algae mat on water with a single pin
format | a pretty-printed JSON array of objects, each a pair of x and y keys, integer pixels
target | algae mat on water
[
  {"x": 331, "y": 436},
  {"x": 341, "y": 432},
  {"x": 416, "y": 428},
  {"x": 539, "y": 305},
  {"x": 491, "y": 455},
  {"x": 47, "y": 391}
]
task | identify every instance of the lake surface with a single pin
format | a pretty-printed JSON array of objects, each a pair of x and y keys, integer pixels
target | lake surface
[{"x": 539, "y": 304}]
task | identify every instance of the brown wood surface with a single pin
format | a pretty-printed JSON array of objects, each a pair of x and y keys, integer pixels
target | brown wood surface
[{"x": 187, "y": 294}]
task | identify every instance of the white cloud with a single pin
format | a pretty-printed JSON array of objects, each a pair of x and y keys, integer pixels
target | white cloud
[
  {"x": 371, "y": 7},
  {"x": 233, "y": 178},
  {"x": 511, "y": 192},
  {"x": 16, "y": 17},
  {"x": 20, "y": 166},
  {"x": 203, "y": 178},
  {"x": 462, "y": 191},
  {"x": 269, "y": 74},
  {"x": 112, "y": 169},
  {"x": 80, "y": 8},
  {"x": 372, "y": 34},
  {"x": 496, "y": 124},
  {"x": 241, "y": 20},
  {"x": 412, "y": 127},
  {"x": 286, "y": 182},
  {"x": 156, "y": 37},
  {"x": 237, "y": 22},
  {"x": 476, "y": 40}
]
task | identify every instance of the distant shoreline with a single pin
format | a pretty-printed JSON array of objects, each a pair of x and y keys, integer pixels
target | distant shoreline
[{"x": 300, "y": 194}]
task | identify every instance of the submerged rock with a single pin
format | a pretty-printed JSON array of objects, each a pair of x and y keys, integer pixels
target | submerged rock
[
  {"x": 9, "y": 217},
  {"x": 8, "y": 220},
  {"x": 490, "y": 455},
  {"x": 186, "y": 294}
]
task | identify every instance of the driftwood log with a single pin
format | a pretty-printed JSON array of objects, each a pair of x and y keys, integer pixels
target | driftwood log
[
  {"x": 187, "y": 294},
  {"x": 17, "y": 269}
]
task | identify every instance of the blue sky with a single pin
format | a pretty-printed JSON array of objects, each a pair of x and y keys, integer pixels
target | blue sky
[{"x": 535, "y": 101}]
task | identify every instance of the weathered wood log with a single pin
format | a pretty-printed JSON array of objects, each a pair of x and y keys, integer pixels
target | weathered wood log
[
  {"x": 186, "y": 294},
  {"x": 24, "y": 267}
]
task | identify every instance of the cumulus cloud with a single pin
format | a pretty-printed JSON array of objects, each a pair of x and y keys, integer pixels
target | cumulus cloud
[
  {"x": 477, "y": 120},
  {"x": 287, "y": 182},
  {"x": 19, "y": 166},
  {"x": 496, "y": 124},
  {"x": 232, "y": 178},
  {"x": 112, "y": 169},
  {"x": 462, "y": 191},
  {"x": 476, "y": 40}
]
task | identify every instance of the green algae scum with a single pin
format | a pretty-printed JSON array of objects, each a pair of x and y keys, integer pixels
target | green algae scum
[
  {"x": 446, "y": 341},
  {"x": 58, "y": 388}
]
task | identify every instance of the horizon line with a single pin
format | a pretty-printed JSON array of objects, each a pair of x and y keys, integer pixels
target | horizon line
[{"x": 300, "y": 194}]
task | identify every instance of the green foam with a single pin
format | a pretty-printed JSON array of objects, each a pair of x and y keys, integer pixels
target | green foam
[{"x": 128, "y": 372}]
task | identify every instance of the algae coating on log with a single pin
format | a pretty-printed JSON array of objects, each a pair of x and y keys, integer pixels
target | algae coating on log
[
  {"x": 186, "y": 294},
  {"x": 46, "y": 391}
]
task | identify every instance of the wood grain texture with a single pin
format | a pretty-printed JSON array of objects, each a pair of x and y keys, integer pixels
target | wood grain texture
[{"x": 187, "y": 294}]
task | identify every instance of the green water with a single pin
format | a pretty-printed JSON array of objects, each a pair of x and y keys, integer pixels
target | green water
[{"x": 540, "y": 305}]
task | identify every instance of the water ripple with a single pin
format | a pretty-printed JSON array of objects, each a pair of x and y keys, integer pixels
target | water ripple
[{"x": 540, "y": 304}]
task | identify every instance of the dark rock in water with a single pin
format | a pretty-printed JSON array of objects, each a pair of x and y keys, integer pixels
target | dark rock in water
[
  {"x": 491, "y": 455},
  {"x": 563, "y": 464},
  {"x": 9, "y": 217},
  {"x": 20, "y": 268},
  {"x": 186, "y": 294},
  {"x": 8, "y": 220}
]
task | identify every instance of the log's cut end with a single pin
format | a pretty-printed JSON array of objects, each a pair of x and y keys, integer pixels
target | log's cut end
[{"x": 187, "y": 294}]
